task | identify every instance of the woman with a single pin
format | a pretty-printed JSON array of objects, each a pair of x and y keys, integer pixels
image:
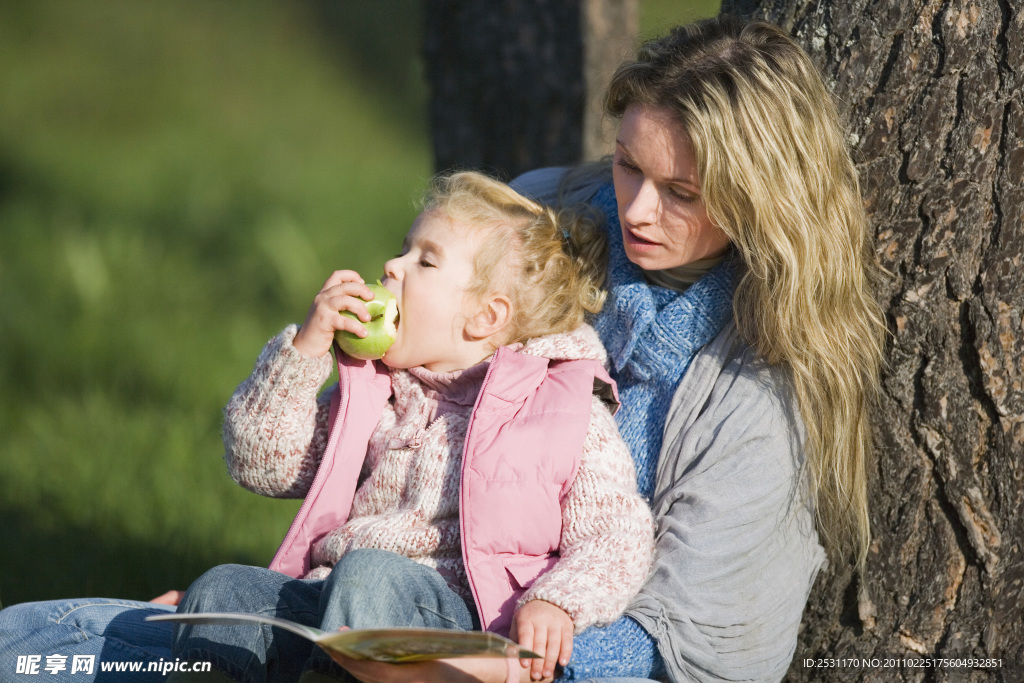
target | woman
[{"x": 745, "y": 343}]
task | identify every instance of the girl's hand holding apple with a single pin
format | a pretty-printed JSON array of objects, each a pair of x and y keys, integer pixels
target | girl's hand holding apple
[{"x": 344, "y": 290}]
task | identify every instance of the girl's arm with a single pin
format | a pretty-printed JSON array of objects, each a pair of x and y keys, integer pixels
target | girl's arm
[
  {"x": 275, "y": 426},
  {"x": 607, "y": 544}
]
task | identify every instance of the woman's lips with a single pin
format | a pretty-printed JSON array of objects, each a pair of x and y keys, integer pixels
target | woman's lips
[{"x": 636, "y": 241}]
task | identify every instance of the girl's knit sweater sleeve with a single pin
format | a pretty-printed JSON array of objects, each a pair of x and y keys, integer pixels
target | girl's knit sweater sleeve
[
  {"x": 275, "y": 426},
  {"x": 607, "y": 545}
]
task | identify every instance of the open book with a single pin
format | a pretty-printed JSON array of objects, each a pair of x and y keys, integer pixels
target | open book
[{"x": 381, "y": 644}]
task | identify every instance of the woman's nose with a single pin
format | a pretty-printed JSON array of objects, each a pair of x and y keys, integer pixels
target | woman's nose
[{"x": 644, "y": 206}]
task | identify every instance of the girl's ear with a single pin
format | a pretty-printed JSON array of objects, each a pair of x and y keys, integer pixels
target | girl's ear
[{"x": 493, "y": 317}]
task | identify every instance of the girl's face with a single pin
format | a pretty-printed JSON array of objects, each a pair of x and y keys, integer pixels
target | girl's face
[
  {"x": 430, "y": 278},
  {"x": 664, "y": 221}
]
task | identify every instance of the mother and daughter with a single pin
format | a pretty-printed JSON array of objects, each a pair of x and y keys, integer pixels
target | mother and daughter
[{"x": 480, "y": 480}]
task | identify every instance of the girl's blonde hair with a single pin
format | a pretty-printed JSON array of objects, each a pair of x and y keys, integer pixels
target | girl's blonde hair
[
  {"x": 778, "y": 179},
  {"x": 550, "y": 263}
]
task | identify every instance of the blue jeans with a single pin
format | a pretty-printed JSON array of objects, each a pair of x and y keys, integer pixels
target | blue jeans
[
  {"x": 87, "y": 631},
  {"x": 367, "y": 589},
  {"x": 116, "y": 631}
]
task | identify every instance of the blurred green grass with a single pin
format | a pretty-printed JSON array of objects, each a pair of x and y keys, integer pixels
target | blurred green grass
[{"x": 176, "y": 181}]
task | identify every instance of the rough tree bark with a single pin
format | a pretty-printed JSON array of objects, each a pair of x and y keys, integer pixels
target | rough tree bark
[
  {"x": 514, "y": 83},
  {"x": 932, "y": 94}
]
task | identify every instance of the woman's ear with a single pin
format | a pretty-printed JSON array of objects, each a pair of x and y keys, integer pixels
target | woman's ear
[{"x": 493, "y": 317}]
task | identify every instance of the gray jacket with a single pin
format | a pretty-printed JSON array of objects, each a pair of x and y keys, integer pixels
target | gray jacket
[{"x": 737, "y": 549}]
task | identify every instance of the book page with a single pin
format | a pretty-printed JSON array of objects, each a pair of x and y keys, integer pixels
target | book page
[{"x": 394, "y": 645}]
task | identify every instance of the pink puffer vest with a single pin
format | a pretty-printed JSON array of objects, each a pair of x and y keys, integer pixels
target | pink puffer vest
[{"x": 522, "y": 450}]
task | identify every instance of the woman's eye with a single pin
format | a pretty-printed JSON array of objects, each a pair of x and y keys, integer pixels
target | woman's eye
[
  {"x": 681, "y": 195},
  {"x": 425, "y": 263},
  {"x": 626, "y": 166}
]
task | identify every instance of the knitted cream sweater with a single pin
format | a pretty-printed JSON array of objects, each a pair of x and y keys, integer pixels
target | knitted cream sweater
[{"x": 275, "y": 433}]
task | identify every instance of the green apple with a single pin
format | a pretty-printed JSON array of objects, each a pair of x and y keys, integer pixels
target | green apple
[{"x": 382, "y": 328}]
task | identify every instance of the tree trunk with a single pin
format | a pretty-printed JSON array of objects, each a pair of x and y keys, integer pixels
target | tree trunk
[
  {"x": 512, "y": 81},
  {"x": 932, "y": 94},
  {"x": 609, "y": 31}
]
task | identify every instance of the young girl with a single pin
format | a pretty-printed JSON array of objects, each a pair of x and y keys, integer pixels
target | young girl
[{"x": 474, "y": 479}]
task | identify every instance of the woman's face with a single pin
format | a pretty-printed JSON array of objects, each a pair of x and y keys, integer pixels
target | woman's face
[{"x": 661, "y": 209}]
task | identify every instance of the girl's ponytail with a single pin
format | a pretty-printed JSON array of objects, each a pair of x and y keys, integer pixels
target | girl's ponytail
[{"x": 586, "y": 244}]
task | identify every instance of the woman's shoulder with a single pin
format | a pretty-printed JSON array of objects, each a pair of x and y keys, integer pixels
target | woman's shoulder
[
  {"x": 728, "y": 373},
  {"x": 730, "y": 403},
  {"x": 564, "y": 185},
  {"x": 541, "y": 184}
]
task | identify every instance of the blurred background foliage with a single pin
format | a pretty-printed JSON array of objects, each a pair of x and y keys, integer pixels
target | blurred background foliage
[{"x": 176, "y": 181}]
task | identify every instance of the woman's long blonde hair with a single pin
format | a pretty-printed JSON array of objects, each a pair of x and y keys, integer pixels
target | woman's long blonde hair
[
  {"x": 777, "y": 177},
  {"x": 550, "y": 263}
]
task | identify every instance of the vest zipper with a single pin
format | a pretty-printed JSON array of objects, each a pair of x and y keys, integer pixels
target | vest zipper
[{"x": 498, "y": 356}]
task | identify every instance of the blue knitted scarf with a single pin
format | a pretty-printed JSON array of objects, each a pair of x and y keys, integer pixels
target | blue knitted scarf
[{"x": 652, "y": 334}]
